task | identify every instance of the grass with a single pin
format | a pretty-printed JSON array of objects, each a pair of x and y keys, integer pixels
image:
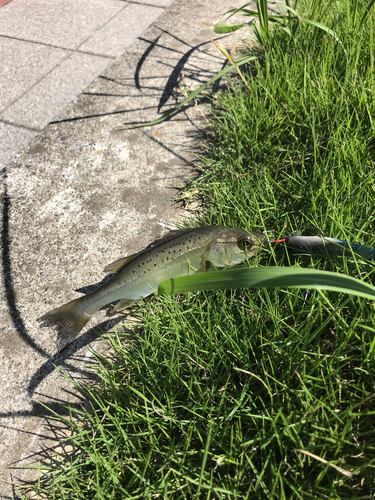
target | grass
[{"x": 213, "y": 396}]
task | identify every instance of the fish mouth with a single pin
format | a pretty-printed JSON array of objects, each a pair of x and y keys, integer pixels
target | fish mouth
[
  {"x": 264, "y": 239},
  {"x": 260, "y": 239}
]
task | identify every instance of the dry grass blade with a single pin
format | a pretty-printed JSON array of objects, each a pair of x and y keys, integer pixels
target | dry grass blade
[
  {"x": 232, "y": 61},
  {"x": 255, "y": 376},
  {"x": 324, "y": 461}
]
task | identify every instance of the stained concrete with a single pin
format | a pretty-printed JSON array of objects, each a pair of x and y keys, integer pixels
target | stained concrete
[{"x": 81, "y": 196}]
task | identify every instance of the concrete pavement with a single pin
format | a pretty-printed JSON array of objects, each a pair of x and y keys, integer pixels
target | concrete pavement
[
  {"x": 51, "y": 51},
  {"x": 79, "y": 196}
]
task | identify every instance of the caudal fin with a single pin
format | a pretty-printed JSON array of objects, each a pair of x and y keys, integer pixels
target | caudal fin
[{"x": 70, "y": 318}]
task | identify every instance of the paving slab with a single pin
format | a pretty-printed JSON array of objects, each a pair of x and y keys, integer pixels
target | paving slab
[
  {"x": 36, "y": 107},
  {"x": 19, "y": 74},
  {"x": 51, "y": 52},
  {"x": 61, "y": 23},
  {"x": 115, "y": 36},
  {"x": 79, "y": 197}
]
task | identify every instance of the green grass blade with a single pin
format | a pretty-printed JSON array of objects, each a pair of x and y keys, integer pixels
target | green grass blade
[
  {"x": 255, "y": 13},
  {"x": 242, "y": 12},
  {"x": 228, "y": 28},
  {"x": 321, "y": 26},
  {"x": 268, "y": 277},
  {"x": 366, "y": 13}
]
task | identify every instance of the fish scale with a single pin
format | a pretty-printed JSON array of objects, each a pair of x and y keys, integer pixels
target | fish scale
[{"x": 177, "y": 253}]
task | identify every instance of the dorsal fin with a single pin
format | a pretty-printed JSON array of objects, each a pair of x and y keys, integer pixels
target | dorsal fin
[
  {"x": 168, "y": 236},
  {"x": 117, "y": 265}
]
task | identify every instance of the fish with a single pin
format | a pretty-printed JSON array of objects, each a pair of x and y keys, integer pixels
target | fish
[{"x": 177, "y": 253}]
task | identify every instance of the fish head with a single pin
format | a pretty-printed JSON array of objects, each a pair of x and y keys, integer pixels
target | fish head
[{"x": 233, "y": 246}]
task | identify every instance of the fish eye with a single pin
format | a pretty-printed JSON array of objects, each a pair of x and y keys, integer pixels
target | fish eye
[{"x": 245, "y": 242}]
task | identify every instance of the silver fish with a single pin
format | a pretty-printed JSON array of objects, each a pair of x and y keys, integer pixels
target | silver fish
[{"x": 177, "y": 253}]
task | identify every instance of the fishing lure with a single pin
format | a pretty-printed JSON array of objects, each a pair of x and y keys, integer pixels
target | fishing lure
[{"x": 323, "y": 246}]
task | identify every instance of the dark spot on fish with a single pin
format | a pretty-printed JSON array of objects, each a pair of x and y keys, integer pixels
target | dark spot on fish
[
  {"x": 133, "y": 272},
  {"x": 139, "y": 265},
  {"x": 169, "y": 251},
  {"x": 188, "y": 247},
  {"x": 154, "y": 265},
  {"x": 144, "y": 272}
]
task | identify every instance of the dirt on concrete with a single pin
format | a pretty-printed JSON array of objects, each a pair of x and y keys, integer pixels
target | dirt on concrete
[{"x": 81, "y": 196}]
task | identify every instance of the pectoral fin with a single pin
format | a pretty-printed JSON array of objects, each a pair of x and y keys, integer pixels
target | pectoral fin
[
  {"x": 122, "y": 304},
  {"x": 205, "y": 268}
]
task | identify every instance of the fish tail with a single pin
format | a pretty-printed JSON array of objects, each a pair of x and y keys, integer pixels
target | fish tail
[{"x": 70, "y": 317}]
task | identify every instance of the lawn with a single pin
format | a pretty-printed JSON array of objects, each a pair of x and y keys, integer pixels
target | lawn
[{"x": 259, "y": 393}]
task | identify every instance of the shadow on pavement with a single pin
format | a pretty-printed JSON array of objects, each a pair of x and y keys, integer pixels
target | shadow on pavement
[
  {"x": 191, "y": 57},
  {"x": 196, "y": 74}
]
